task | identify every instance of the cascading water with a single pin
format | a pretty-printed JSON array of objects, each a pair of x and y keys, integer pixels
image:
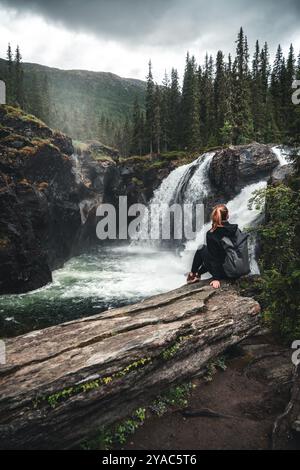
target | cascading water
[
  {"x": 186, "y": 184},
  {"x": 112, "y": 277},
  {"x": 282, "y": 155}
]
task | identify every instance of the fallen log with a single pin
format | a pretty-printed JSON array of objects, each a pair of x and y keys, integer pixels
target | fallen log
[{"x": 61, "y": 384}]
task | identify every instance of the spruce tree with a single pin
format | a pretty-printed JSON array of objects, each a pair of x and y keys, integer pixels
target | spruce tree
[
  {"x": 289, "y": 108},
  {"x": 220, "y": 98},
  {"x": 174, "y": 112},
  {"x": 257, "y": 99},
  {"x": 19, "y": 87},
  {"x": 10, "y": 76},
  {"x": 165, "y": 112},
  {"x": 190, "y": 106},
  {"x": 150, "y": 90},
  {"x": 277, "y": 90},
  {"x": 207, "y": 105},
  {"x": 226, "y": 132},
  {"x": 157, "y": 126},
  {"x": 243, "y": 121}
]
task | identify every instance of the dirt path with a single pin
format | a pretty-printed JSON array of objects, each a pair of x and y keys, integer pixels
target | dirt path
[{"x": 251, "y": 393}]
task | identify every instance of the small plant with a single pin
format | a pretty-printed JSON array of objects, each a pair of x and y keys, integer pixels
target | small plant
[
  {"x": 176, "y": 396},
  {"x": 158, "y": 407},
  {"x": 117, "y": 434},
  {"x": 213, "y": 366},
  {"x": 172, "y": 350}
]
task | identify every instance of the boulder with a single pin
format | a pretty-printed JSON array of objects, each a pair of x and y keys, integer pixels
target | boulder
[{"x": 234, "y": 167}]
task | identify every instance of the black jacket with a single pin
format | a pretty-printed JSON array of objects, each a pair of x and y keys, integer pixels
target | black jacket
[{"x": 216, "y": 251}]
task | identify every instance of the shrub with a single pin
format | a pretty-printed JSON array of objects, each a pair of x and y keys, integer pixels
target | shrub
[{"x": 279, "y": 291}]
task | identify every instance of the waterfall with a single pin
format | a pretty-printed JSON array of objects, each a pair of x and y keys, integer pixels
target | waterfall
[
  {"x": 282, "y": 155},
  {"x": 76, "y": 168},
  {"x": 196, "y": 185},
  {"x": 186, "y": 184}
]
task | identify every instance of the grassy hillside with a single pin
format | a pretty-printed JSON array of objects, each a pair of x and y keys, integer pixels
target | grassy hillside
[{"x": 80, "y": 103}]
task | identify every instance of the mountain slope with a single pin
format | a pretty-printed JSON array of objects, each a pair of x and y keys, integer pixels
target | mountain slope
[{"x": 81, "y": 103}]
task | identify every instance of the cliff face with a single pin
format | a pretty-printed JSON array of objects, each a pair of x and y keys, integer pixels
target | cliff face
[{"x": 42, "y": 200}]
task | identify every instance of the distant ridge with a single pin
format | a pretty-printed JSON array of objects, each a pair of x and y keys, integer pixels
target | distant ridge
[{"x": 81, "y": 103}]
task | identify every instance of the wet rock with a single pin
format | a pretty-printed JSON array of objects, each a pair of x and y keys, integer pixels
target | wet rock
[
  {"x": 281, "y": 174},
  {"x": 234, "y": 167}
]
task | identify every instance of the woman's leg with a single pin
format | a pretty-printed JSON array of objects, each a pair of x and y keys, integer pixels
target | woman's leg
[{"x": 199, "y": 265}]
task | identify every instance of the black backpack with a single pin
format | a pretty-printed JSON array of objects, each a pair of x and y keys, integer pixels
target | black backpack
[{"x": 236, "y": 263}]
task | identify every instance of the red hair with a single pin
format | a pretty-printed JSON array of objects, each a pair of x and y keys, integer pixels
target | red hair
[{"x": 219, "y": 215}]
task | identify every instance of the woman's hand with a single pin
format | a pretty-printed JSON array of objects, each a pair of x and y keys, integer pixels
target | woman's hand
[{"x": 215, "y": 284}]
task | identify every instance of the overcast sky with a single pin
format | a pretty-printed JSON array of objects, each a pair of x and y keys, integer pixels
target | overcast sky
[{"x": 120, "y": 36}]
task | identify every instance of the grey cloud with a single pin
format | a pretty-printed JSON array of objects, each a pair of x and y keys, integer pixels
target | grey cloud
[{"x": 212, "y": 23}]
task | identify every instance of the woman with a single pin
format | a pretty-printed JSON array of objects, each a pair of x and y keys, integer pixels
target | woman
[{"x": 210, "y": 257}]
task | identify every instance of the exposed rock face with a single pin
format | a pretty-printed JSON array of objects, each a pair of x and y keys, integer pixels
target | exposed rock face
[
  {"x": 42, "y": 200},
  {"x": 62, "y": 383},
  {"x": 141, "y": 176},
  {"x": 281, "y": 174},
  {"x": 233, "y": 168},
  {"x": 102, "y": 179}
]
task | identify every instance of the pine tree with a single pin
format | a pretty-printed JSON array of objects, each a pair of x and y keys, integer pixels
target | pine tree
[
  {"x": 226, "y": 132},
  {"x": 289, "y": 109},
  {"x": 174, "y": 112},
  {"x": 258, "y": 107},
  {"x": 243, "y": 122},
  {"x": 220, "y": 98},
  {"x": 207, "y": 105},
  {"x": 297, "y": 117},
  {"x": 10, "y": 76},
  {"x": 165, "y": 112},
  {"x": 157, "y": 126},
  {"x": 150, "y": 109},
  {"x": 190, "y": 106},
  {"x": 19, "y": 90},
  {"x": 277, "y": 89}
]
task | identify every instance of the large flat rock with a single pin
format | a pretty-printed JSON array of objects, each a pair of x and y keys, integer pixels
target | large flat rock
[{"x": 62, "y": 383}]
